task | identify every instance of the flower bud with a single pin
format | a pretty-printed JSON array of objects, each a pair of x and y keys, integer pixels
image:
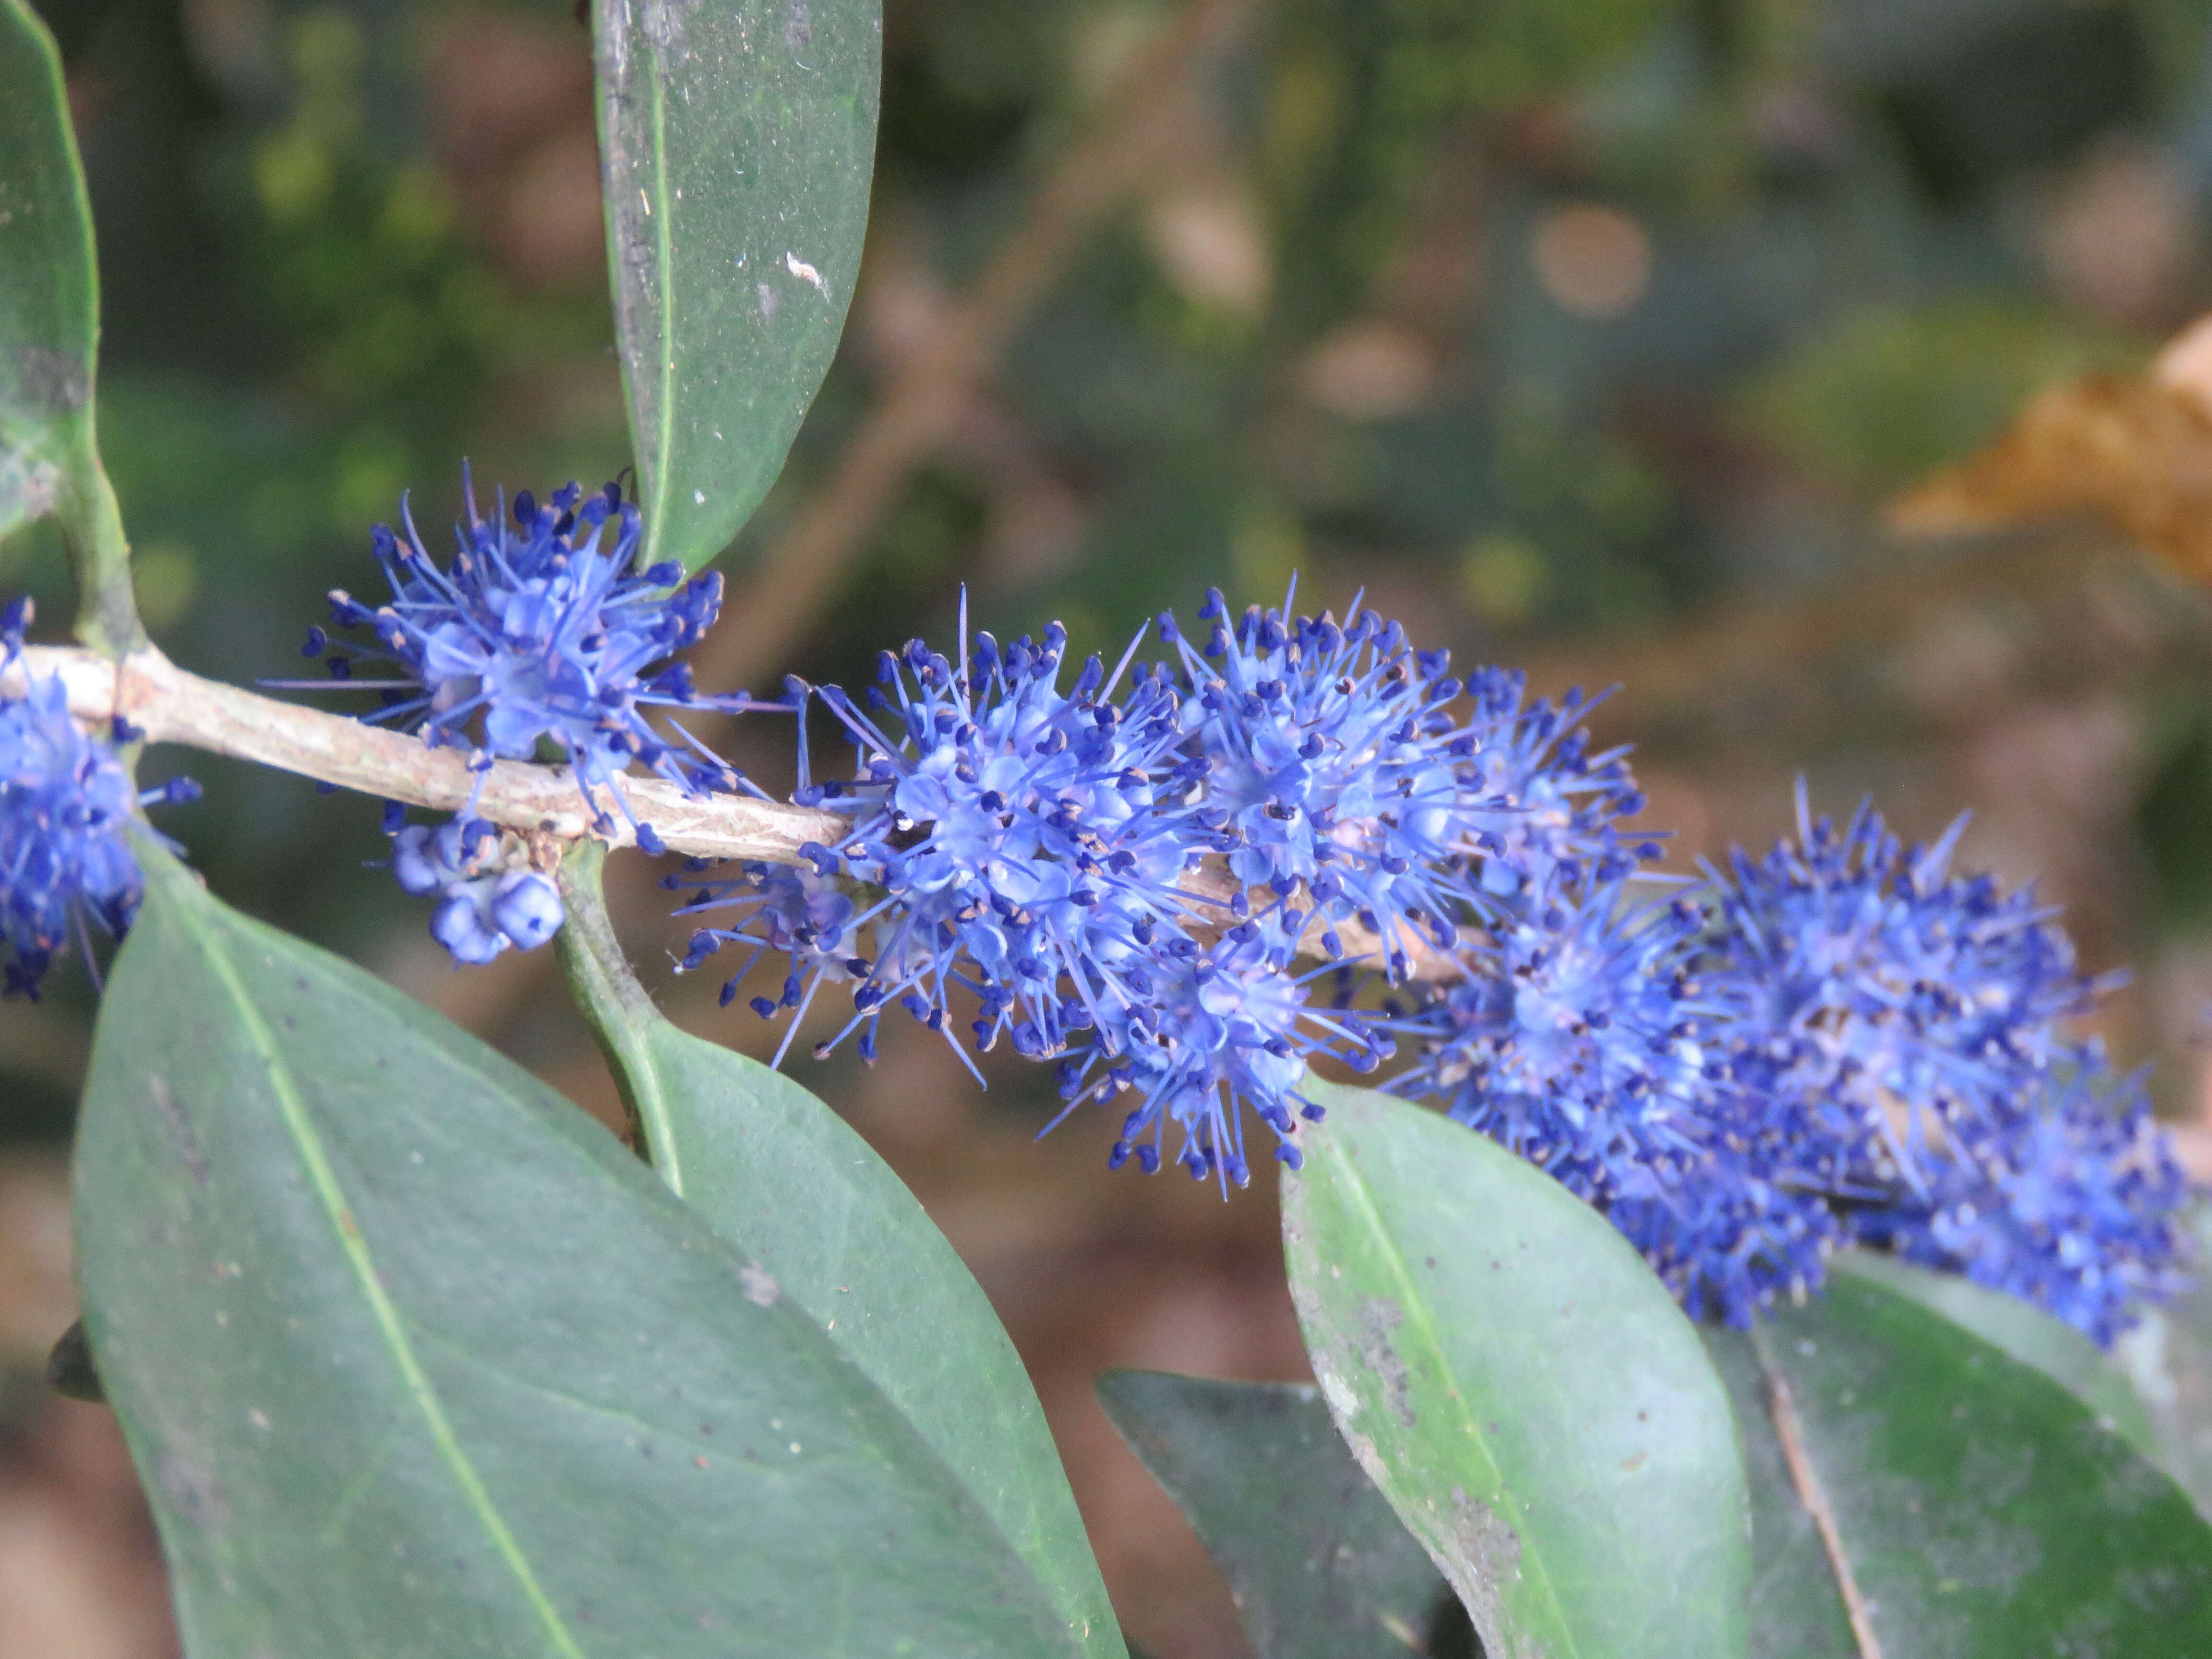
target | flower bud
[
  {"x": 461, "y": 928},
  {"x": 526, "y": 908}
]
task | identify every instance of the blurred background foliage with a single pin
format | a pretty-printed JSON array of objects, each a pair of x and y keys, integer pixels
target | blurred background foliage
[{"x": 1588, "y": 334}]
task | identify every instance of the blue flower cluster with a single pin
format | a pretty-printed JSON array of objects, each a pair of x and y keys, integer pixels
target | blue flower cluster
[
  {"x": 66, "y": 801},
  {"x": 2072, "y": 1199},
  {"x": 1022, "y": 847},
  {"x": 1134, "y": 876},
  {"x": 1842, "y": 1042},
  {"x": 1903, "y": 1005},
  {"x": 539, "y": 637},
  {"x": 1050, "y": 861}
]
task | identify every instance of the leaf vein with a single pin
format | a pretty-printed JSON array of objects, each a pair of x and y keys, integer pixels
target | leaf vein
[{"x": 298, "y": 1123}]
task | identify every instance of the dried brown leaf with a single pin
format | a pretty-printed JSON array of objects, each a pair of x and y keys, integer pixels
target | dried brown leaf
[{"x": 2133, "y": 450}]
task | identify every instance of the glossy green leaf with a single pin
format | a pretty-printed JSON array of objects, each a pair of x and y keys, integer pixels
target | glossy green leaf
[
  {"x": 50, "y": 328},
  {"x": 418, "y": 1362},
  {"x": 737, "y": 143},
  {"x": 1521, "y": 1388},
  {"x": 2022, "y": 1330},
  {"x": 1318, "y": 1561},
  {"x": 786, "y": 1180},
  {"x": 1978, "y": 1509}
]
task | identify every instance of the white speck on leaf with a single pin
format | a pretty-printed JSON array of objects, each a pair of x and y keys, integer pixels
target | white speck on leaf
[
  {"x": 805, "y": 273},
  {"x": 759, "y": 1286},
  {"x": 699, "y": 498},
  {"x": 770, "y": 299}
]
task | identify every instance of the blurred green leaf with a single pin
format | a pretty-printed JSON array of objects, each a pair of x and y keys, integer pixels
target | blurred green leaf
[
  {"x": 1875, "y": 401},
  {"x": 416, "y": 1360},
  {"x": 1520, "y": 1386},
  {"x": 2022, "y": 1330},
  {"x": 1316, "y": 1559},
  {"x": 737, "y": 146},
  {"x": 49, "y": 330},
  {"x": 1981, "y": 1509},
  {"x": 784, "y": 1179}
]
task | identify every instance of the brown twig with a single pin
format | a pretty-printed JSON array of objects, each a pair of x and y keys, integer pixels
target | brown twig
[
  {"x": 170, "y": 705},
  {"x": 798, "y": 573},
  {"x": 1810, "y": 1493}
]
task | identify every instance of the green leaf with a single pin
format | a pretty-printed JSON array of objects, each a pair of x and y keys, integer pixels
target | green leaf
[
  {"x": 786, "y": 1180},
  {"x": 2169, "y": 1356},
  {"x": 737, "y": 143},
  {"x": 2022, "y": 1330},
  {"x": 418, "y": 1361},
  {"x": 49, "y": 329},
  {"x": 1520, "y": 1386},
  {"x": 1318, "y": 1561},
  {"x": 1977, "y": 1509}
]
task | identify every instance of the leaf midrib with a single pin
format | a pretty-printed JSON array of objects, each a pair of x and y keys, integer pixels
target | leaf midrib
[
  {"x": 293, "y": 1109},
  {"x": 1417, "y": 1305}
]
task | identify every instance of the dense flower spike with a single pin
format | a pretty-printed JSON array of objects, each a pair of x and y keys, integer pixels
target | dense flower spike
[
  {"x": 1833, "y": 1044},
  {"x": 65, "y": 801},
  {"x": 1021, "y": 845},
  {"x": 1891, "y": 1000},
  {"x": 1344, "y": 763},
  {"x": 488, "y": 898},
  {"x": 1826, "y": 1046},
  {"x": 1222, "y": 1025},
  {"x": 1585, "y": 1038},
  {"x": 1580, "y": 1038},
  {"x": 537, "y": 634},
  {"x": 1013, "y": 831},
  {"x": 1737, "y": 1229},
  {"x": 2069, "y": 1198}
]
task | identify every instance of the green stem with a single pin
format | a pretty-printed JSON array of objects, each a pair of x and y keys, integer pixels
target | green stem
[
  {"x": 618, "y": 1007},
  {"x": 107, "y": 608}
]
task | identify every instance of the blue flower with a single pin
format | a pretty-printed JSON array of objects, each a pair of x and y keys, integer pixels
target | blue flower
[
  {"x": 2069, "y": 1198},
  {"x": 795, "y": 912},
  {"x": 1346, "y": 765},
  {"x": 1534, "y": 801},
  {"x": 1217, "y": 1027},
  {"x": 1582, "y": 1038},
  {"x": 489, "y": 897},
  {"x": 1886, "y": 999},
  {"x": 1736, "y": 1229},
  {"x": 1589, "y": 1036},
  {"x": 536, "y": 633},
  {"x": 65, "y": 802},
  {"x": 1012, "y": 840}
]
